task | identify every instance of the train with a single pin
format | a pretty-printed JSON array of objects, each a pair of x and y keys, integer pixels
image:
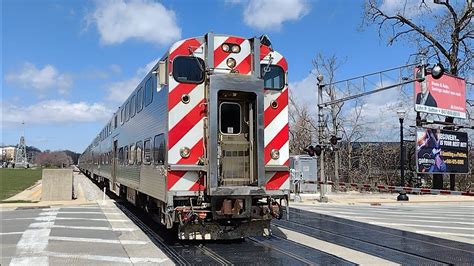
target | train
[{"x": 201, "y": 143}]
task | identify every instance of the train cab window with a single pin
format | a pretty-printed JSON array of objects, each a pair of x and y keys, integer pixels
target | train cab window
[
  {"x": 188, "y": 69},
  {"x": 147, "y": 152},
  {"x": 139, "y": 152},
  {"x": 229, "y": 118},
  {"x": 125, "y": 155},
  {"x": 121, "y": 116},
  {"x": 139, "y": 99},
  {"x": 132, "y": 106},
  {"x": 159, "y": 149},
  {"x": 148, "y": 91},
  {"x": 115, "y": 121},
  {"x": 273, "y": 77}
]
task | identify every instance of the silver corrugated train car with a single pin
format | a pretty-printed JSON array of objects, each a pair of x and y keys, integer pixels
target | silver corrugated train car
[{"x": 202, "y": 142}]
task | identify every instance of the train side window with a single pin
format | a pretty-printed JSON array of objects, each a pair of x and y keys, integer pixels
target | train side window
[
  {"x": 115, "y": 121},
  {"x": 121, "y": 115},
  {"x": 120, "y": 155},
  {"x": 148, "y": 91},
  {"x": 274, "y": 79},
  {"x": 188, "y": 69},
  {"x": 139, "y": 152},
  {"x": 147, "y": 152},
  {"x": 159, "y": 149},
  {"x": 133, "y": 154},
  {"x": 125, "y": 155},
  {"x": 127, "y": 111},
  {"x": 132, "y": 107},
  {"x": 139, "y": 99}
]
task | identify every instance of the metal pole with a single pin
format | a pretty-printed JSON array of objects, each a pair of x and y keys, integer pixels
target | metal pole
[
  {"x": 322, "y": 192},
  {"x": 402, "y": 161},
  {"x": 402, "y": 196}
]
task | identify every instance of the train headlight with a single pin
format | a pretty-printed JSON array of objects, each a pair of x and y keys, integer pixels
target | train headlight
[
  {"x": 235, "y": 49},
  {"x": 275, "y": 154},
  {"x": 184, "y": 152},
  {"x": 225, "y": 47},
  {"x": 231, "y": 62}
]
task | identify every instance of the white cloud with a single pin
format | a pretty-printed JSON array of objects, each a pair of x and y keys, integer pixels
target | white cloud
[
  {"x": 305, "y": 90},
  {"x": 41, "y": 79},
  {"x": 408, "y": 8},
  {"x": 54, "y": 112},
  {"x": 120, "y": 90},
  {"x": 145, "y": 20},
  {"x": 271, "y": 14}
]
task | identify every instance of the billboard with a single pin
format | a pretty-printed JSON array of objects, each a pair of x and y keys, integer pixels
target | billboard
[
  {"x": 444, "y": 96},
  {"x": 441, "y": 151}
]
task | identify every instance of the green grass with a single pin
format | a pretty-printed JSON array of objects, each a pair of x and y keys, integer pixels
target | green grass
[{"x": 14, "y": 181}]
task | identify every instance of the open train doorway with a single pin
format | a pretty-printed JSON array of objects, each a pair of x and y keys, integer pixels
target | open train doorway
[{"x": 236, "y": 139}]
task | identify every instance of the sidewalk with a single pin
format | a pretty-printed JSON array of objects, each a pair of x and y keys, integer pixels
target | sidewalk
[{"x": 355, "y": 197}]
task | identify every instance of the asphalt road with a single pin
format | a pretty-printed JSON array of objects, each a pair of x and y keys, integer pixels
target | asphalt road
[{"x": 454, "y": 221}]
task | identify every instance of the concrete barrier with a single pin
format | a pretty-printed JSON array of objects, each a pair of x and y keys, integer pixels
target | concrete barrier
[{"x": 57, "y": 184}]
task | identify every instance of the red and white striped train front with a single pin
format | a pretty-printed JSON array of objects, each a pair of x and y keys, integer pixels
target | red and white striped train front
[{"x": 227, "y": 136}]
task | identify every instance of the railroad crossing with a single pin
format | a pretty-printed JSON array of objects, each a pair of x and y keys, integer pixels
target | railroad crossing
[{"x": 109, "y": 231}]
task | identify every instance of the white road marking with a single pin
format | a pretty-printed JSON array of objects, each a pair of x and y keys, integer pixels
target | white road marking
[
  {"x": 45, "y": 218},
  {"x": 391, "y": 216},
  {"x": 110, "y": 213},
  {"x": 34, "y": 241},
  {"x": 98, "y": 240},
  {"x": 423, "y": 225},
  {"x": 443, "y": 233},
  {"x": 106, "y": 258},
  {"x": 11, "y": 233},
  {"x": 127, "y": 229},
  {"x": 26, "y": 261},
  {"x": 336, "y": 250},
  {"x": 402, "y": 217}
]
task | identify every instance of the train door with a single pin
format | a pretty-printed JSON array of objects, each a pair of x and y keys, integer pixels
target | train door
[
  {"x": 236, "y": 139},
  {"x": 114, "y": 163}
]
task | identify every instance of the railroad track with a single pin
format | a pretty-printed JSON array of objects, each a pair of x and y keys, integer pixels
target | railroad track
[{"x": 395, "y": 245}]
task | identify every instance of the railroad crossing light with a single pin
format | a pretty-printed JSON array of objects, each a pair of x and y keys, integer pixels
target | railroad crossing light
[
  {"x": 312, "y": 151},
  {"x": 420, "y": 74},
  {"x": 437, "y": 71},
  {"x": 333, "y": 140}
]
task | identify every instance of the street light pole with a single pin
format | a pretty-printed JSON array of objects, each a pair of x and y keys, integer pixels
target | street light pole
[{"x": 402, "y": 196}]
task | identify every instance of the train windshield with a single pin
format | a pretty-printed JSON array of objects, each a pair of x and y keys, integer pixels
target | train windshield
[
  {"x": 188, "y": 69},
  {"x": 273, "y": 77}
]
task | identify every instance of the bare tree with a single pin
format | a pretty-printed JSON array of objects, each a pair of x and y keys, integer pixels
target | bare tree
[
  {"x": 447, "y": 35},
  {"x": 302, "y": 126}
]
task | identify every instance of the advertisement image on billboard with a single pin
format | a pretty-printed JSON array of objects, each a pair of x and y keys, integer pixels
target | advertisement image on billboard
[
  {"x": 444, "y": 96},
  {"x": 441, "y": 151}
]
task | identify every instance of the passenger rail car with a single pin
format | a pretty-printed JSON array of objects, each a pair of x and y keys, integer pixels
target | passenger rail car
[{"x": 202, "y": 142}]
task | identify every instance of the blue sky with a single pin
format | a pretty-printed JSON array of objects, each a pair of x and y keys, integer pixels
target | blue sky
[{"x": 67, "y": 65}]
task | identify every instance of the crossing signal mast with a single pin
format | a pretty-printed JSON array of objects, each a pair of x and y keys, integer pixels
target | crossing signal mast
[
  {"x": 436, "y": 71},
  {"x": 21, "y": 159}
]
